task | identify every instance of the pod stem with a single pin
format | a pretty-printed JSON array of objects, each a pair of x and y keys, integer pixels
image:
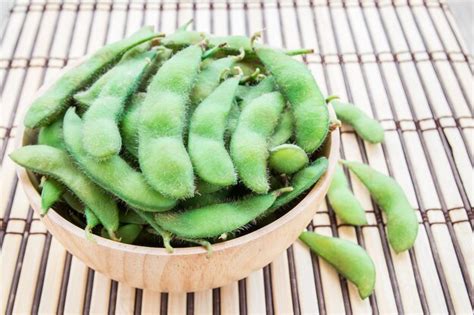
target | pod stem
[
  {"x": 185, "y": 25},
  {"x": 238, "y": 70},
  {"x": 89, "y": 234},
  {"x": 250, "y": 77},
  {"x": 331, "y": 98},
  {"x": 212, "y": 51},
  {"x": 240, "y": 56},
  {"x": 165, "y": 235},
  {"x": 299, "y": 52},
  {"x": 113, "y": 236},
  {"x": 206, "y": 244},
  {"x": 224, "y": 74},
  {"x": 335, "y": 124},
  {"x": 256, "y": 36},
  {"x": 283, "y": 190}
]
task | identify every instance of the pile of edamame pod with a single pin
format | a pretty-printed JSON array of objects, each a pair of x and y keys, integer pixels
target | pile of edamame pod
[{"x": 191, "y": 139}]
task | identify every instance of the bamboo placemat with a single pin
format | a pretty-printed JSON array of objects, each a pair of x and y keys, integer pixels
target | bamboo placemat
[{"x": 403, "y": 62}]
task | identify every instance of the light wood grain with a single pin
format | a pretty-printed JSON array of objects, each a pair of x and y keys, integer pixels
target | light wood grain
[
  {"x": 52, "y": 280},
  {"x": 151, "y": 302},
  {"x": 29, "y": 271},
  {"x": 230, "y": 299},
  {"x": 100, "y": 294}
]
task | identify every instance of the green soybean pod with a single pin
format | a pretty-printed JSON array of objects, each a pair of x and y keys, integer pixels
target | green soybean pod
[
  {"x": 348, "y": 258},
  {"x": 131, "y": 216},
  {"x": 51, "y": 189},
  {"x": 215, "y": 220},
  {"x": 233, "y": 119},
  {"x": 128, "y": 233},
  {"x": 52, "y": 134},
  {"x": 56, "y": 99},
  {"x": 236, "y": 42},
  {"x": 402, "y": 223},
  {"x": 101, "y": 134},
  {"x": 129, "y": 124},
  {"x": 301, "y": 182},
  {"x": 287, "y": 158},
  {"x": 131, "y": 116},
  {"x": 182, "y": 37},
  {"x": 157, "y": 229},
  {"x": 247, "y": 95},
  {"x": 366, "y": 127},
  {"x": 91, "y": 220},
  {"x": 161, "y": 152},
  {"x": 86, "y": 98},
  {"x": 284, "y": 129},
  {"x": 73, "y": 202},
  {"x": 203, "y": 187},
  {"x": 202, "y": 200},
  {"x": 249, "y": 145},
  {"x": 113, "y": 174},
  {"x": 51, "y": 192},
  {"x": 345, "y": 204},
  {"x": 307, "y": 103},
  {"x": 206, "y": 146},
  {"x": 56, "y": 163},
  {"x": 210, "y": 76}
]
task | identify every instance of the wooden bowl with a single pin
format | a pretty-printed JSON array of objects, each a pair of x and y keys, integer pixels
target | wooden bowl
[{"x": 187, "y": 269}]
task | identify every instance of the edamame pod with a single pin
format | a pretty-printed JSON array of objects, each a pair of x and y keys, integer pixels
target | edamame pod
[
  {"x": 114, "y": 174},
  {"x": 249, "y": 143},
  {"x": 91, "y": 222},
  {"x": 287, "y": 158},
  {"x": 301, "y": 182},
  {"x": 236, "y": 42},
  {"x": 348, "y": 258},
  {"x": 51, "y": 189},
  {"x": 128, "y": 233},
  {"x": 51, "y": 192},
  {"x": 308, "y": 105},
  {"x": 233, "y": 120},
  {"x": 402, "y": 223},
  {"x": 130, "y": 216},
  {"x": 84, "y": 99},
  {"x": 52, "y": 134},
  {"x": 73, "y": 202},
  {"x": 182, "y": 37},
  {"x": 199, "y": 201},
  {"x": 161, "y": 151},
  {"x": 56, "y": 163},
  {"x": 203, "y": 187},
  {"x": 56, "y": 99},
  {"x": 247, "y": 95},
  {"x": 101, "y": 135},
  {"x": 345, "y": 204},
  {"x": 215, "y": 220},
  {"x": 284, "y": 129},
  {"x": 208, "y": 79},
  {"x": 366, "y": 127},
  {"x": 206, "y": 146},
  {"x": 129, "y": 124}
]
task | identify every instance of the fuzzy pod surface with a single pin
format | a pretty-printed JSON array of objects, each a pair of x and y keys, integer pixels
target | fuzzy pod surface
[
  {"x": 298, "y": 86},
  {"x": 57, "y": 98},
  {"x": 402, "y": 223}
]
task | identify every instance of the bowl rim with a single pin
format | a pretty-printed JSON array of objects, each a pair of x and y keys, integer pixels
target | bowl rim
[{"x": 55, "y": 218}]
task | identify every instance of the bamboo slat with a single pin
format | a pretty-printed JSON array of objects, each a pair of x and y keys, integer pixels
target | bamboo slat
[{"x": 402, "y": 62}]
